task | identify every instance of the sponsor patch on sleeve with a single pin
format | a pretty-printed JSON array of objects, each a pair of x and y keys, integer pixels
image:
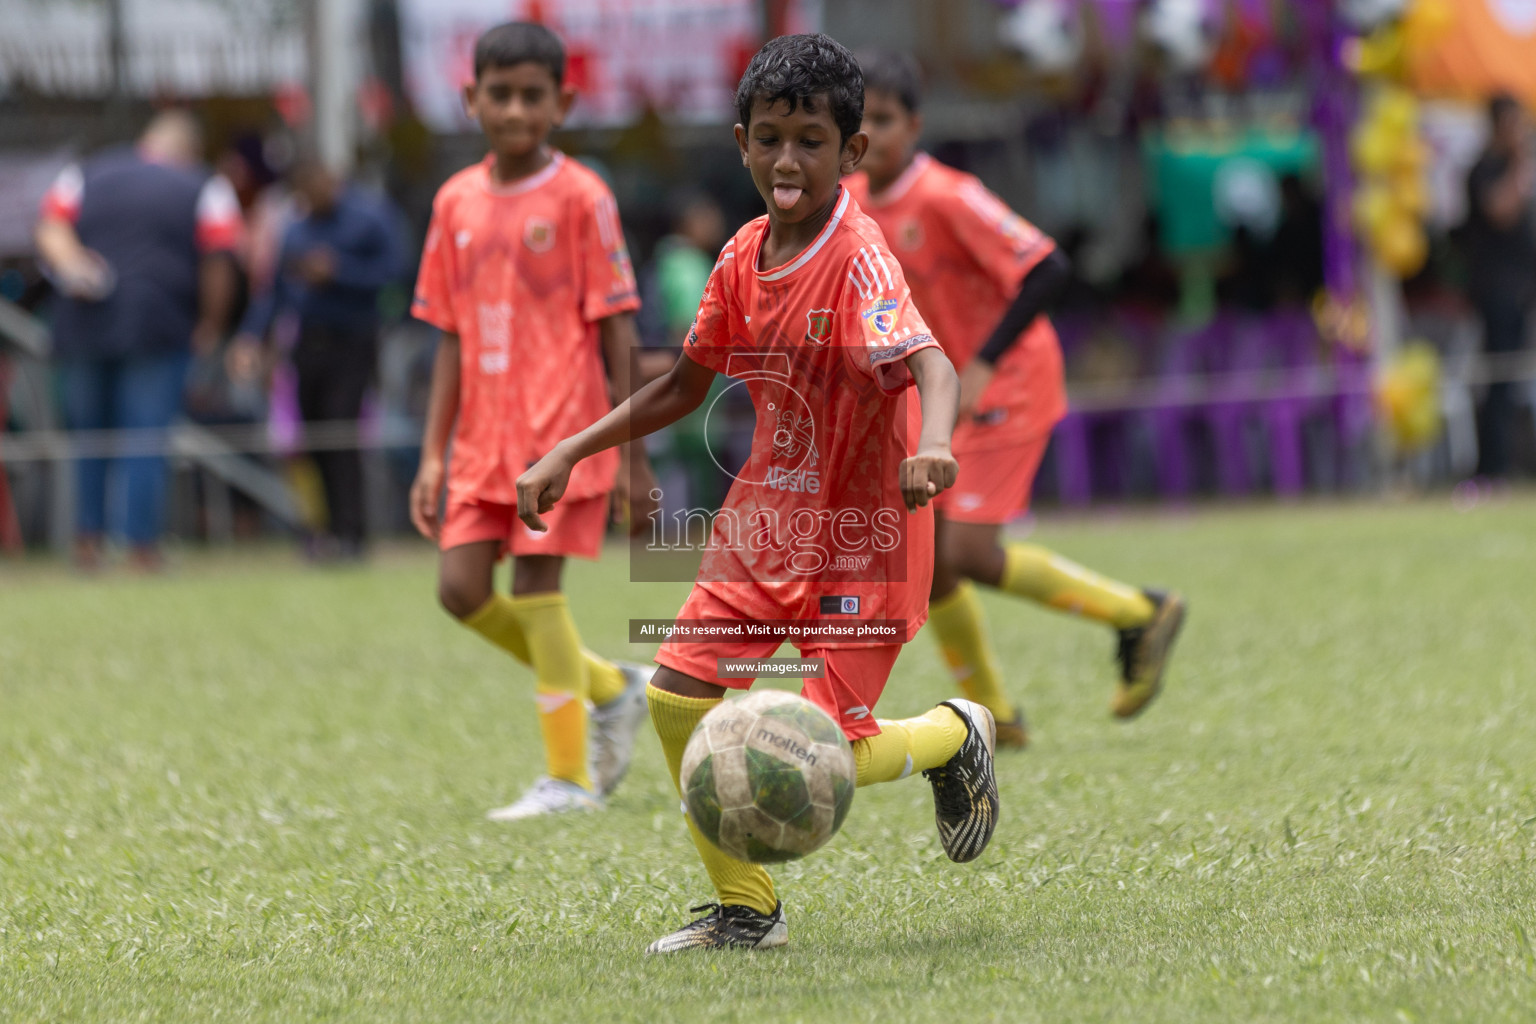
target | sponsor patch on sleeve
[{"x": 881, "y": 316}]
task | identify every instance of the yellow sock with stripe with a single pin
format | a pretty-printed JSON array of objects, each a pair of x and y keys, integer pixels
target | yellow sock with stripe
[
  {"x": 554, "y": 650},
  {"x": 736, "y": 882},
  {"x": 961, "y": 628},
  {"x": 496, "y": 620},
  {"x": 1040, "y": 575},
  {"x": 910, "y": 745}
]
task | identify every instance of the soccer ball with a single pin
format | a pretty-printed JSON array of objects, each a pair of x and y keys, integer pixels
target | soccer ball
[{"x": 768, "y": 777}]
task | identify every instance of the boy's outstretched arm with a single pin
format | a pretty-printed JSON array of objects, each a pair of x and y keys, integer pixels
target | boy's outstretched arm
[
  {"x": 442, "y": 410},
  {"x": 621, "y": 340},
  {"x": 933, "y": 468},
  {"x": 660, "y": 403}
]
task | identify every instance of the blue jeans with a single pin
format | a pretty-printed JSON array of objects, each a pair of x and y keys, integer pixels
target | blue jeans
[{"x": 132, "y": 393}]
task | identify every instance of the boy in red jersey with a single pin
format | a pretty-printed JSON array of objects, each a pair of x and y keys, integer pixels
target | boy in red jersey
[
  {"x": 983, "y": 276},
  {"x": 526, "y": 273},
  {"x": 807, "y": 306}
]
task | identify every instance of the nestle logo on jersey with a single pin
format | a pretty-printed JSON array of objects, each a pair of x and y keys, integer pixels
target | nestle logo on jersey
[
  {"x": 799, "y": 481},
  {"x": 881, "y": 316}
]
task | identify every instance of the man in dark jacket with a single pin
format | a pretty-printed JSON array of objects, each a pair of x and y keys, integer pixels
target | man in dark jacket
[
  {"x": 139, "y": 241},
  {"x": 335, "y": 258}
]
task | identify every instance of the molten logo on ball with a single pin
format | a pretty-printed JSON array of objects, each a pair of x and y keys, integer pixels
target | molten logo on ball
[{"x": 768, "y": 777}]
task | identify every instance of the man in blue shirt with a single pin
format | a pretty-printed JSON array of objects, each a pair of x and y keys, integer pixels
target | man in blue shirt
[
  {"x": 334, "y": 260},
  {"x": 139, "y": 240}
]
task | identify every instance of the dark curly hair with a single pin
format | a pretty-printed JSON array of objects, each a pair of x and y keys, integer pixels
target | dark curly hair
[
  {"x": 800, "y": 71},
  {"x": 895, "y": 73},
  {"x": 519, "y": 42}
]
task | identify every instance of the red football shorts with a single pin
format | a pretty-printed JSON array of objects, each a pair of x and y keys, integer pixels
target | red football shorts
[
  {"x": 855, "y": 676},
  {"x": 575, "y": 528},
  {"x": 995, "y": 478}
]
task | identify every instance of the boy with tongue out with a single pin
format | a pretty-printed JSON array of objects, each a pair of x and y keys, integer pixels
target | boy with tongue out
[{"x": 807, "y": 309}]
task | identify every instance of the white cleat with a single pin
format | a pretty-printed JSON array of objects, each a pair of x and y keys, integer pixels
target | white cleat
[
  {"x": 548, "y": 796},
  {"x": 614, "y": 726}
]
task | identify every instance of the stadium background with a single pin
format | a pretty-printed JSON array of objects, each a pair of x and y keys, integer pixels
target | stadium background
[{"x": 1237, "y": 323}]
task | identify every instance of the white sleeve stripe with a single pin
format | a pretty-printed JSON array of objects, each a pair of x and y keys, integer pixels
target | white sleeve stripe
[
  {"x": 870, "y": 282},
  {"x": 874, "y": 270},
  {"x": 721, "y": 261},
  {"x": 871, "y": 285},
  {"x": 217, "y": 202},
  {"x": 867, "y": 268},
  {"x": 859, "y": 286},
  {"x": 603, "y": 211},
  {"x": 69, "y": 186},
  {"x": 884, "y": 268},
  {"x": 871, "y": 258}
]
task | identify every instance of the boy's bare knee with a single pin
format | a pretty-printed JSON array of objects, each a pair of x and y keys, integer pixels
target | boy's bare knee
[{"x": 461, "y": 599}]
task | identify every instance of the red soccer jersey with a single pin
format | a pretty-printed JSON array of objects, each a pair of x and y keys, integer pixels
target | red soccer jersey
[
  {"x": 965, "y": 254},
  {"x": 522, "y": 273},
  {"x": 814, "y": 526}
]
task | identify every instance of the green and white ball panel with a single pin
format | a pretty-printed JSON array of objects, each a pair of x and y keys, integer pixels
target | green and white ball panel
[{"x": 768, "y": 777}]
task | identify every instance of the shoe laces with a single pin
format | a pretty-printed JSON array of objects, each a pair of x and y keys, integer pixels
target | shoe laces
[
  {"x": 715, "y": 910},
  {"x": 717, "y": 914},
  {"x": 949, "y": 793}
]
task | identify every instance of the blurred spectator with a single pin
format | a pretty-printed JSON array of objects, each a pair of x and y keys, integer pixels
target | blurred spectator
[
  {"x": 343, "y": 248},
  {"x": 1296, "y": 251},
  {"x": 1501, "y": 256},
  {"x": 680, "y": 269},
  {"x": 138, "y": 240},
  {"x": 684, "y": 260}
]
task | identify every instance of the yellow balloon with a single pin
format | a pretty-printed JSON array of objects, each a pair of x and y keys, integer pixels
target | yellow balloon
[
  {"x": 1408, "y": 396},
  {"x": 1372, "y": 207},
  {"x": 1409, "y": 155},
  {"x": 1400, "y": 245},
  {"x": 1371, "y": 149},
  {"x": 1395, "y": 112},
  {"x": 1379, "y": 54},
  {"x": 1408, "y": 192}
]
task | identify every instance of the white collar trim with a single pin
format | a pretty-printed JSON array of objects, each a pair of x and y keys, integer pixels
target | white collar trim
[
  {"x": 528, "y": 184},
  {"x": 810, "y": 250}
]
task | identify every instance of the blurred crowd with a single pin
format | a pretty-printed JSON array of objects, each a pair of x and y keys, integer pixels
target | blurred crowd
[{"x": 268, "y": 291}]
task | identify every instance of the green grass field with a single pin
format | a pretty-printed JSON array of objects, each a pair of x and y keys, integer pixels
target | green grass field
[{"x": 254, "y": 792}]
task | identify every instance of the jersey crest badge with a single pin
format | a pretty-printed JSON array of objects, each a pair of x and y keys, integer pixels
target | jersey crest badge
[
  {"x": 539, "y": 234},
  {"x": 910, "y": 234},
  {"x": 818, "y": 326}
]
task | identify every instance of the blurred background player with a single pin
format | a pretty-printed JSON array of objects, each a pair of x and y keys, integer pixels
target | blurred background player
[
  {"x": 140, "y": 240},
  {"x": 525, "y": 271},
  {"x": 793, "y": 288},
  {"x": 983, "y": 277},
  {"x": 335, "y": 258}
]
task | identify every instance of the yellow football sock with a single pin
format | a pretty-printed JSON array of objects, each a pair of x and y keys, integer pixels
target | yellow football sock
[
  {"x": 554, "y": 649},
  {"x": 961, "y": 628},
  {"x": 496, "y": 620},
  {"x": 736, "y": 882},
  {"x": 910, "y": 745},
  {"x": 604, "y": 680},
  {"x": 1033, "y": 572}
]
